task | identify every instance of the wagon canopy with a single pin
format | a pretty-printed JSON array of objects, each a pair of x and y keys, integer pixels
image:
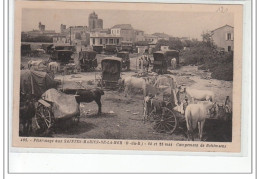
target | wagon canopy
[
  {"x": 62, "y": 55},
  {"x": 170, "y": 54},
  {"x": 65, "y": 47},
  {"x": 164, "y": 81},
  {"x": 98, "y": 48},
  {"x": 173, "y": 53},
  {"x": 111, "y": 68},
  {"x": 38, "y": 65},
  {"x": 123, "y": 54},
  {"x": 35, "y": 82},
  {"x": 110, "y": 48},
  {"x": 159, "y": 56}
]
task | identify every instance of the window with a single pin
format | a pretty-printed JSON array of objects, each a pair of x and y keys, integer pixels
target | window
[
  {"x": 100, "y": 41},
  {"x": 229, "y": 36},
  {"x": 229, "y": 48},
  {"x": 106, "y": 41},
  {"x": 117, "y": 41},
  {"x": 94, "y": 41},
  {"x": 110, "y": 41}
]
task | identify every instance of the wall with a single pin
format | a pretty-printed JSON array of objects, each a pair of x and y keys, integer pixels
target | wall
[
  {"x": 126, "y": 34},
  {"x": 116, "y": 31},
  {"x": 139, "y": 36},
  {"x": 59, "y": 40},
  {"x": 220, "y": 37},
  {"x": 104, "y": 40}
]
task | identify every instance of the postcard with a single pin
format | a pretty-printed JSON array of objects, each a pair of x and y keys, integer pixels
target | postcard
[{"x": 127, "y": 76}]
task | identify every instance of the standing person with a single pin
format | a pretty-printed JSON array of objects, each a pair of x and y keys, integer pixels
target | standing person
[
  {"x": 146, "y": 63},
  {"x": 173, "y": 63},
  {"x": 185, "y": 104},
  {"x": 140, "y": 63}
]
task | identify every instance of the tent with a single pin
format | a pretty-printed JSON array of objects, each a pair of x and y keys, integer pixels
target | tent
[
  {"x": 36, "y": 82},
  {"x": 64, "y": 105}
]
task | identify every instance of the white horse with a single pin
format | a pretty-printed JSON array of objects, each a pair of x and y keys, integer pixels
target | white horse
[
  {"x": 54, "y": 67},
  {"x": 200, "y": 95},
  {"x": 196, "y": 114},
  {"x": 131, "y": 82}
]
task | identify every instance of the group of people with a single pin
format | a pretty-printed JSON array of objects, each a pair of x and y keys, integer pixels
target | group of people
[{"x": 144, "y": 62}]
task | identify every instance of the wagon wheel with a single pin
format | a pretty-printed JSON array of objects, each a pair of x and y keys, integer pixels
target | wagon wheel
[
  {"x": 164, "y": 120},
  {"x": 44, "y": 119}
]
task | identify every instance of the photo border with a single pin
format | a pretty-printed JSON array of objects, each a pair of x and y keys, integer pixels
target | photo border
[{"x": 65, "y": 149}]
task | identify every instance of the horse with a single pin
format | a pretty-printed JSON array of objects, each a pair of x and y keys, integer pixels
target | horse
[
  {"x": 200, "y": 95},
  {"x": 165, "y": 81},
  {"x": 132, "y": 82},
  {"x": 196, "y": 114},
  {"x": 87, "y": 96},
  {"x": 224, "y": 111}
]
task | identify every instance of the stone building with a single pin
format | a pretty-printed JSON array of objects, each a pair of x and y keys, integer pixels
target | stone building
[
  {"x": 151, "y": 38},
  {"x": 41, "y": 27},
  {"x": 223, "y": 37},
  {"x": 59, "y": 39},
  {"x": 125, "y": 31},
  {"x": 75, "y": 34},
  {"x": 40, "y": 32},
  {"x": 162, "y": 36},
  {"x": 139, "y": 35},
  {"x": 62, "y": 28},
  {"x": 94, "y": 22},
  {"x": 104, "y": 39}
]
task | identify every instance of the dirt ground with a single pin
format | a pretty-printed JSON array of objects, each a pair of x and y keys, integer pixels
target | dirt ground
[{"x": 121, "y": 116}]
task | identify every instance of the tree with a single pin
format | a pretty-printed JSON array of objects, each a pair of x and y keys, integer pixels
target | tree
[
  {"x": 173, "y": 43},
  {"x": 141, "y": 43},
  {"x": 207, "y": 38}
]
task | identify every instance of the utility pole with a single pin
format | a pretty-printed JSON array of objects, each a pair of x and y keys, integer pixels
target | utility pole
[{"x": 70, "y": 35}]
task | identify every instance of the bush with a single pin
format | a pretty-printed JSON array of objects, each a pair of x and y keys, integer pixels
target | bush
[
  {"x": 174, "y": 44},
  {"x": 224, "y": 68},
  {"x": 208, "y": 58},
  {"x": 141, "y": 43},
  {"x": 36, "y": 39},
  {"x": 223, "y": 72}
]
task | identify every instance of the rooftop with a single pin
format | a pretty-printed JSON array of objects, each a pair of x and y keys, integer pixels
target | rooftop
[
  {"x": 138, "y": 30},
  {"x": 150, "y": 36},
  {"x": 161, "y": 35},
  {"x": 123, "y": 26},
  {"x": 222, "y": 27},
  {"x": 104, "y": 35}
]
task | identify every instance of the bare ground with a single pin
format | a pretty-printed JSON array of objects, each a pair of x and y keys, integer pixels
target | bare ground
[{"x": 122, "y": 116}]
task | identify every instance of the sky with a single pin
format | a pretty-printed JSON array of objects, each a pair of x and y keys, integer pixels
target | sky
[{"x": 177, "y": 24}]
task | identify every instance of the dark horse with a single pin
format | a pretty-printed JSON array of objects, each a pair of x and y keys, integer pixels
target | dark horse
[
  {"x": 87, "y": 96},
  {"x": 26, "y": 113}
]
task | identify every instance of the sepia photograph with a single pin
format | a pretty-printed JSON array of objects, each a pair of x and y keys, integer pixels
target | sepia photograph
[{"x": 146, "y": 76}]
